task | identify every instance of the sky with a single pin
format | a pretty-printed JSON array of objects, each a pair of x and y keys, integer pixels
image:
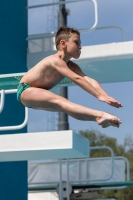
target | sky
[{"x": 110, "y": 13}]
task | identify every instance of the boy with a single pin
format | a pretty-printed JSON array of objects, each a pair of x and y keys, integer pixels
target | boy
[{"x": 33, "y": 90}]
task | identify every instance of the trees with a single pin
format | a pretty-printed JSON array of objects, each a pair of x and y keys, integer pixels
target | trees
[{"x": 98, "y": 139}]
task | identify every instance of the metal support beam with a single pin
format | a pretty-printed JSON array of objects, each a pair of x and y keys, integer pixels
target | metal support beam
[{"x": 63, "y": 117}]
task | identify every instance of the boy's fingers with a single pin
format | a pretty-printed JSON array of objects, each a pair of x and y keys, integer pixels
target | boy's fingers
[{"x": 116, "y": 104}]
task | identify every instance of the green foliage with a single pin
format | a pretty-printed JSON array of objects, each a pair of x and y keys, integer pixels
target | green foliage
[{"x": 98, "y": 139}]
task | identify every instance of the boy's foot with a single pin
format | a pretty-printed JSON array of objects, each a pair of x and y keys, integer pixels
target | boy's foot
[{"x": 106, "y": 120}]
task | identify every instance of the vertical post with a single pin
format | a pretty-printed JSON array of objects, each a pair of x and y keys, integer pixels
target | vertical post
[
  {"x": 63, "y": 117},
  {"x": 60, "y": 185}
]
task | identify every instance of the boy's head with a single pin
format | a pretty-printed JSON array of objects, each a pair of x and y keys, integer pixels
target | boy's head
[{"x": 64, "y": 33}]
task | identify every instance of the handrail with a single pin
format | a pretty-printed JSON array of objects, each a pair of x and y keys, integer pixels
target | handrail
[
  {"x": 112, "y": 165},
  {"x": 109, "y": 27},
  {"x": 5, "y": 128},
  {"x": 96, "y": 20},
  {"x": 53, "y": 185},
  {"x": 127, "y": 176},
  {"x": 60, "y": 188},
  {"x": 53, "y": 4},
  {"x": 93, "y": 159},
  {"x": 80, "y": 181},
  {"x": 47, "y": 35},
  {"x": 72, "y": 1},
  {"x": 2, "y": 100},
  {"x": 68, "y": 196}
]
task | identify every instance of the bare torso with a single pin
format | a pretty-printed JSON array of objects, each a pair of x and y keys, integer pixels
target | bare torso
[{"x": 44, "y": 74}]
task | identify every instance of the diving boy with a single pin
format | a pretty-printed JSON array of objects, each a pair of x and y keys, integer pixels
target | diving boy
[{"x": 33, "y": 90}]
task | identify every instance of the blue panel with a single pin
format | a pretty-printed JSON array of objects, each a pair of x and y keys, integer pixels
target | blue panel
[
  {"x": 81, "y": 144},
  {"x": 13, "y": 45},
  {"x": 13, "y": 181},
  {"x": 13, "y": 50}
]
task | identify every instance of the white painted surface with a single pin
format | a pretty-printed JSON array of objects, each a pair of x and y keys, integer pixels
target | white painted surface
[
  {"x": 43, "y": 145},
  {"x": 43, "y": 196}
]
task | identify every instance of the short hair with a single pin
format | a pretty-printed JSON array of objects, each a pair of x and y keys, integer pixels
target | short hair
[{"x": 64, "y": 33}]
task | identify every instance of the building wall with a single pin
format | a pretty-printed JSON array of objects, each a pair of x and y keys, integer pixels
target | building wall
[{"x": 13, "y": 50}]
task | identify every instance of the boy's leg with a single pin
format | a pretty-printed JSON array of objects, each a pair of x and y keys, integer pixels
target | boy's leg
[{"x": 45, "y": 100}]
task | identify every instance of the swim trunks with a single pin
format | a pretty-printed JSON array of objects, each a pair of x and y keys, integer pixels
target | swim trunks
[{"x": 21, "y": 88}]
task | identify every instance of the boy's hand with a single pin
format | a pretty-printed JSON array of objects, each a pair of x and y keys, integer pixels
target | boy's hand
[{"x": 111, "y": 101}]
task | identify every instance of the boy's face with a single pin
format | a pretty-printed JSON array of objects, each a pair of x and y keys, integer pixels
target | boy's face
[{"x": 73, "y": 46}]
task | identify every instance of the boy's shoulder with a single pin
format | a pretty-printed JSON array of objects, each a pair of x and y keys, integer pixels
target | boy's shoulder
[
  {"x": 55, "y": 59},
  {"x": 52, "y": 59}
]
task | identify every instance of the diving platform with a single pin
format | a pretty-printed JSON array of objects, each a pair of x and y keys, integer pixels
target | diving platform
[
  {"x": 104, "y": 185},
  {"x": 43, "y": 146},
  {"x": 90, "y": 186}
]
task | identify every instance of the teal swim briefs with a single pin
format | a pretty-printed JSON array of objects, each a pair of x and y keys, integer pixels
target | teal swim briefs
[{"x": 21, "y": 88}]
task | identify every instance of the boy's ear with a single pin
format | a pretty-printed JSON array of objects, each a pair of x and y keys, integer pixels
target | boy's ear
[{"x": 62, "y": 43}]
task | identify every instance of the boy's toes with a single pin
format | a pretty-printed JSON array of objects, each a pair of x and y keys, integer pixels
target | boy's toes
[
  {"x": 117, "y": 121},
  {"x": 116, "y": 124},
  {"x": 107, "y": 123}
]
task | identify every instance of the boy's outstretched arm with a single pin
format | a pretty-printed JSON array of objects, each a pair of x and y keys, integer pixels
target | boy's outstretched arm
[
  {"x": 67, "y": 71},
  {"x": 103, "y": 96}
]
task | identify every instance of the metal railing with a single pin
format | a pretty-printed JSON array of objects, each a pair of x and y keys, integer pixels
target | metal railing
[
  {"x": 16, "y": 127},
  {"x": 52, "y": 34},
  {"x": 59, "y": 184}
]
